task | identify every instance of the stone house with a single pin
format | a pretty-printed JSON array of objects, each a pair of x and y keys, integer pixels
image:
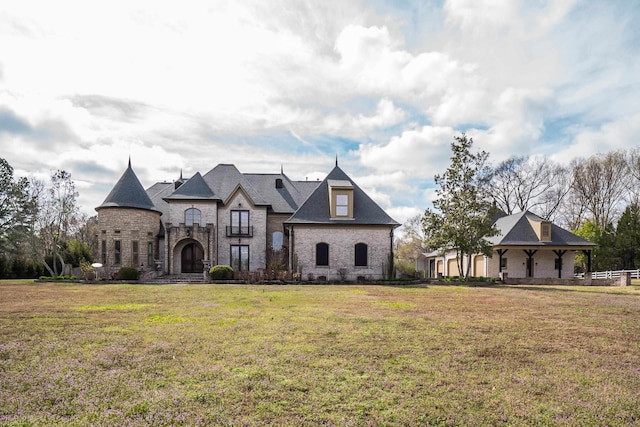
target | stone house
[
  {"x": 526, "y": 246},
  {"x": 328, "y": 229}
]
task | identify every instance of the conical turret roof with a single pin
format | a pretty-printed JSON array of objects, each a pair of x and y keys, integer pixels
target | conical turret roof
[{"x": 128, "y": 193}]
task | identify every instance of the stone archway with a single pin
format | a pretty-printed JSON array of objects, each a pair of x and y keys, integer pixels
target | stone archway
[{"x": 191, "y": 257}]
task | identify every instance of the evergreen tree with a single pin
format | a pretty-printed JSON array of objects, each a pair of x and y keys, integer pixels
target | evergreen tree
[
  {"x": 464, "y": 216},
  {"x": 627, "y": 242}
]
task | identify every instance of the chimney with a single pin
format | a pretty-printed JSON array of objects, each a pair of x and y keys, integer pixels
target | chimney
[{"x": 279, "y": 183}]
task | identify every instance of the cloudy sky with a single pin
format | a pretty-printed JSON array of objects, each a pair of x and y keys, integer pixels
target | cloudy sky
[{"x": 382, "y": 84}]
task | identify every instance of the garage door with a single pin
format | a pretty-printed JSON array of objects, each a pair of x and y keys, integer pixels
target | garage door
[
  {"x": 452, "y": 268},
  {"x": 478, "y": 266}
]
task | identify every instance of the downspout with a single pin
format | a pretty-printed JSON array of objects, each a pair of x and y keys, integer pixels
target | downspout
[
  {"x": 217, "y": 228},
  {"x": 209, "y": 243},
  {"x": 391, "y": 258},
  {"x": 168, "y": 250},
  {"x": 291, "y": 248}
]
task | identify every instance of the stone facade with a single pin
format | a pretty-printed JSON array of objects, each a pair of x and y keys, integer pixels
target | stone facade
[
  {"x": 247, "y": 221},
  {"x": 127, "y": 238}
]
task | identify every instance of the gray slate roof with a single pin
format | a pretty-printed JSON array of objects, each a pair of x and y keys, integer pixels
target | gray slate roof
[
  {"x": 128, "y": 193},
  {"x": 316, "y": 209},
  {"x": 305, "y": 201},
  {"x": 516, "y": 230},
  {"x": 193, "y": 189},
  {"x": 222, "y": 181},
  {"x": 285, "y": 199}
]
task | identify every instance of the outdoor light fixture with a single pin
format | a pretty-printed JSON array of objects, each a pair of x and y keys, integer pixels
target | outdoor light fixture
[{"x": 96, "y": 266}]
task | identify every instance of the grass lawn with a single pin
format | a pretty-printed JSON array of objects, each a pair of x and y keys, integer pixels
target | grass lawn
[{"x": 104, "y": 355}]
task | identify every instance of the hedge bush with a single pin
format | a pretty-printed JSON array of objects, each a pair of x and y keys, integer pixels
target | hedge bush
[
  {"x": 128, "y": 273},
  {"x": 221, "y": 272}
]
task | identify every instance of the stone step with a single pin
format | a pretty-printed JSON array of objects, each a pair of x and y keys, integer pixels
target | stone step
[{"x": 179, "y": 278}]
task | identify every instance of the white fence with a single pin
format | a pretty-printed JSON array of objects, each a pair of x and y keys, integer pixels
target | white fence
[{"x": 635, "y": 274}]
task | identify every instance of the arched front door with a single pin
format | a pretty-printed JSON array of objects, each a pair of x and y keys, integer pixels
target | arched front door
[{"x": 192, "y": 256}]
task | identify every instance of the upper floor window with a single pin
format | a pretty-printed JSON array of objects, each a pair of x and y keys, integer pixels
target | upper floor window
[
  {"x": 546, "y": 231},
  {"x": 361, "y": 255},
  {"x": 240, "y": 223},
  {"x": 341, "y": 198},
  {"x": 322, "y": 254},
  {"x": 342, "y": 205},
  {"x": 276, "y": 241},
  {"x": 191, "y": 216}
]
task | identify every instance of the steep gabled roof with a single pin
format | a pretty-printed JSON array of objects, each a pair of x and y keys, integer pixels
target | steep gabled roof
[
  {"x": 224, "y": 181},
  {"x": 316, "y": 209},
  {"x": 282, "y": 194},
  {"x": 194, "y": 188},
  {"x": 516, "y": 230},
  {"x": 128, "y": 193}
]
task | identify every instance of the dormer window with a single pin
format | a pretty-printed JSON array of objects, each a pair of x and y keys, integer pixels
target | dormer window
[
  {"x": 341, "y": 199},
  {"x": 342, "y": 205},
  {"x": 542, "y": 229}
]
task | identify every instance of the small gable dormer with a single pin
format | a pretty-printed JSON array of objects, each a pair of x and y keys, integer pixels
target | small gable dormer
[
  {"x": 542, "y": 229},
  {"x": 340, "y": 198}
]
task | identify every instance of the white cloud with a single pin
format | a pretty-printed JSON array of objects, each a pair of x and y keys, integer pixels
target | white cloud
[
  {"x": 619, "y": 135},
  {"x": 207, "y": 82},
  {"x": 403, "y": 213},
  {"x": 418, "y": 153}
]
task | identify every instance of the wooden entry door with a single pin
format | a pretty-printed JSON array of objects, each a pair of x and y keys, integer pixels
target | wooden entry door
[{"x": 192, "y": 256}]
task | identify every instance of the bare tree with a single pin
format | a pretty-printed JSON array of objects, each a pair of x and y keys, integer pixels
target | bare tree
[
  {"x": 633, "y": 167},
  {"x": 409, "y": 245},
  {"x": 530, "y": 183},
  {"x": 57, "y": 218},
  {"x": 600, "y": 185}
]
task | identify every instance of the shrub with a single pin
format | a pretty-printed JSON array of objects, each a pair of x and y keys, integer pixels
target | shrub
[
  {"x": 128, "y": 273},
  {"x": 221, "y": 272},
  {"x": 88, "y": 272}
]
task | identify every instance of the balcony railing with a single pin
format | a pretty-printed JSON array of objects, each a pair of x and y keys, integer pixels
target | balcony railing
[{"x": 244, "y": 231}]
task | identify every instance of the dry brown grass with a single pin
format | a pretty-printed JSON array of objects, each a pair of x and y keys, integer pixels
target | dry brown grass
[{"x": 318, "y": 355}]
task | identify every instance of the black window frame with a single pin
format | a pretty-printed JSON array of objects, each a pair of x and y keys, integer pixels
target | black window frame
[
  {"x": 241, "y": 266},
  {"x": 322, "y": 254},
  {"x": 135, "y": 252},
  {"x": 104, "y": 252},
  {"x": 117, "y": 252},
  {"x": 150, "y": 254},
  {"x": 238, "y": 226},
  {"x": 361, "y": 255}
]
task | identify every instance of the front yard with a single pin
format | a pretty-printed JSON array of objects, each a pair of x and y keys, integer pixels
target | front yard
[{"x": 73, "y": 354}]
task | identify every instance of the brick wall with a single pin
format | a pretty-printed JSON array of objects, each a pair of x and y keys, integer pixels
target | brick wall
[
  {"x": 342, "y": 241},
  {"x": 257, "y": 243}
]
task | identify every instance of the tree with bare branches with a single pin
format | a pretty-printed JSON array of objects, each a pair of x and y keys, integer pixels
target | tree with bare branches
[
  {"x": 530, "y": 183},
  {"x": 600, "y": 185}
]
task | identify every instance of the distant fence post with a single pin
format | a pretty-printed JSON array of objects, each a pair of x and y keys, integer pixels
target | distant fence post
[{"x": 625, "y": 278}]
